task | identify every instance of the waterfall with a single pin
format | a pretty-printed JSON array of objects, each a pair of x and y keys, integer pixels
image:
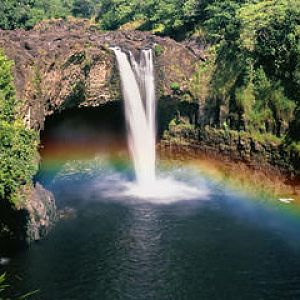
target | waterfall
[{"x": 138, "y": 89}]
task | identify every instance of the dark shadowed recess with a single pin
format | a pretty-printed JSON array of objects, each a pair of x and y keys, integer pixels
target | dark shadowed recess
[
  {"x": 82, "y": 133},
  {"x": 170, "y": 108}
]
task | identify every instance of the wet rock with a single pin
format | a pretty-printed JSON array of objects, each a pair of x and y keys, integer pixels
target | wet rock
[
  {"x": 42, "y": 213},
  {"x": 243, "y": 149},
  {"x": 67, "y": 213},
  {"x": 31, "y": 220}
]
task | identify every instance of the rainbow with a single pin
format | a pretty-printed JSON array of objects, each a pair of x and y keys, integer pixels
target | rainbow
[{"x": 252, "y": 188}]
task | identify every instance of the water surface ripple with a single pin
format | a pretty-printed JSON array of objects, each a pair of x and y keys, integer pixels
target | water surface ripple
[{"x": 225, "y": 247}]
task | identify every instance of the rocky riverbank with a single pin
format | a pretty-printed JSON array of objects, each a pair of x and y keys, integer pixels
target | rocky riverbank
[
  {"x": 30, "y": 221},
  {"x": 238, "y": 153}
]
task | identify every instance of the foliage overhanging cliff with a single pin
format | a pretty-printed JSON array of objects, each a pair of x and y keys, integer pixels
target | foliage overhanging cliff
[
  {"x": 18, "y": 145},
  {"x": 251, "y": 78}
]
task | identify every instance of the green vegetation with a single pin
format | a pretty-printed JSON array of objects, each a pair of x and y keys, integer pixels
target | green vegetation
[
  {"x": 17, "y": 144},
  {"x": 158, "y": 50},
  {"x": 253, "y": 66},
  {"x": 164, "y": 16},
  {"x": 175, "y": 86},
  {"x": 4, "y": 286},
  {"x": 26, "y": 13}
]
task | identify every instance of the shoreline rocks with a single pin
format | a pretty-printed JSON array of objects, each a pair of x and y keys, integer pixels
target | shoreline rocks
[{"x": 269, "y": 158}]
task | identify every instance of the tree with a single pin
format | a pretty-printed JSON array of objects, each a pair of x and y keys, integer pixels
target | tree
[
  {"x": 47, "y": 9},
  {"x": 14, "y": 13},
  {"x": 17, "y": 144},
  {"x": 114, "y": 13},
  {"x": 83, "y": 8}
]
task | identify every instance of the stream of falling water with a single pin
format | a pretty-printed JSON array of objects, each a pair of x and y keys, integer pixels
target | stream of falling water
[
  {"x": 139, "y": 95},
  {"x": 138, "y": 89}
]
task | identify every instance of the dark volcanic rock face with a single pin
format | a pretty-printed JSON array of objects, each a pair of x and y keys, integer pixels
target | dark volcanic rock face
[
  {"x": 60, "y": 65},
  {"x": 42, "y": 213},
  {"x": 28, "y": 222}
]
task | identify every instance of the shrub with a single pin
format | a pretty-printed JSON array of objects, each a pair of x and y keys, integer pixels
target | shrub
[
  {"x": 158, "y": 50},
  {"x": 4, "y": 286},
  {"x": 17, "y": 144},
  {"x": 175, "y": 86}
]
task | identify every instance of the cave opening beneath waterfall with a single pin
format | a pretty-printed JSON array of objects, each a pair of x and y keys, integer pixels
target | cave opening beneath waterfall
[{"x": 82, "y": 134}]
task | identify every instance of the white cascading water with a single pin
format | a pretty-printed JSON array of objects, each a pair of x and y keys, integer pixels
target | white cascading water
[{"x": 138, "y": 90}]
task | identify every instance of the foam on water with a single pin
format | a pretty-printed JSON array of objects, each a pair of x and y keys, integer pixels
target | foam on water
[
  {"x": 164, "y": 191},
  {"x": 170, "y": 186}
]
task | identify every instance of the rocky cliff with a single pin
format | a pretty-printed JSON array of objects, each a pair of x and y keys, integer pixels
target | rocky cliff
[{"x": 59, "y": 65}]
